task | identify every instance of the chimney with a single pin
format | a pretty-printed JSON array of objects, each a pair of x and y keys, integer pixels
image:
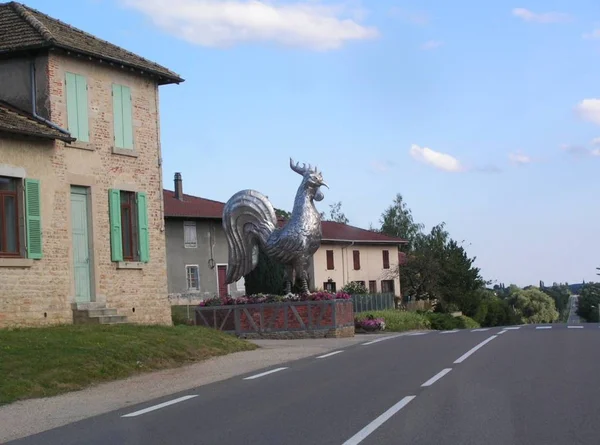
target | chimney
[{"x": 178, "y": 186}]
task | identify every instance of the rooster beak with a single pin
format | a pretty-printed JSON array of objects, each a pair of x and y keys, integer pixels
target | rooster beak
[{"x": 325, "y": 184}]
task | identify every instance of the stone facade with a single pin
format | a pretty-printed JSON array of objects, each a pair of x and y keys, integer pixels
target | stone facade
[{"x": 41, "y": 291}]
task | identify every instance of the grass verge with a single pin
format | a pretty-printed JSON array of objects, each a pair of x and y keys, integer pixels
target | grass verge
[
  {"x": 399, "y": 321},
  {"x": 41, "y": 362}
]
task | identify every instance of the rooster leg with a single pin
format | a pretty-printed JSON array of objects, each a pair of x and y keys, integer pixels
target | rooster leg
[
  {"x": 303, "y": 274},
  {"x": 289, "y": 279}
]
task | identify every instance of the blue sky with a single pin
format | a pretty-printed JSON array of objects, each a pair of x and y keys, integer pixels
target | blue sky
[{"x": 481, "y": 117}]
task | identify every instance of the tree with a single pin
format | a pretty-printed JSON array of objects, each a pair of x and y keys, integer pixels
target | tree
[
  {"x": 589, "y": 302},
  {"x": 397, "y": 221},
  {"x": 532, "y": 305},
  {"x": 335, "y": 214},
  {"x": 560, "y": 293}
]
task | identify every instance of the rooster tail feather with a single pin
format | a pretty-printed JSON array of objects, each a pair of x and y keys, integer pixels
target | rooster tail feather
[{"x": 248, "y": 221}]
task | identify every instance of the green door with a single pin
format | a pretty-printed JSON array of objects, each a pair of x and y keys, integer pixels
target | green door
[{"x": 81, "y": 244}]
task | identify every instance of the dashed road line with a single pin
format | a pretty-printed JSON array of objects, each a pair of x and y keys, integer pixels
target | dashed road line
[
  {"x": 449, "y": 332},
  {"x": 262, "y": 374},
  {"x": 436, "y": 377},
  {"x": 382, "y": 339},
  {"x": 543, "y": 327},
  {"x": 466, "y": 355},
  {"x": 367, "y": 430},
  {"x": 481, "y": 330},
  {"x": 159, "y": 406},
  {"x": 412, "y": 334},
  {"x": 502, "y": 332},
  {"x": 574, "y": 327},
  {"x": 329, "y": 354},
  {"x": 512, "y": 328}
]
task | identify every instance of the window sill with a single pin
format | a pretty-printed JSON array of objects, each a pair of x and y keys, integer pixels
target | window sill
[
  {"x": 130, "y": 265},
  {"x": 16, "y": 262},
  {"x": 125, "y": 152},
  {"x": 81, "y": 145}
]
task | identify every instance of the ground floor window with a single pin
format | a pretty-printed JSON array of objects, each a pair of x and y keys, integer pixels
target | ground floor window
[
  {"x": 329, "y": 286},
  {"x": 129, "y": 236},
  {"x": 387, "y": 286},
  {"x": 372, "y": 287},
  {"x": 9, "y": 217},
  {"x": 193, "y": 277}
]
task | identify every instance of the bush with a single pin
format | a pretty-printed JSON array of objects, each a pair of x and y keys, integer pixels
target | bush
[
  {"x": 354, "y": 288},
  {"x": 446, "y": 322},
  {"x": 398, "y": 321}
]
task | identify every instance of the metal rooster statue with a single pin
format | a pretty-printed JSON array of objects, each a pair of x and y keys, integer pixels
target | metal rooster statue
[{"x": 250, "y": 224}]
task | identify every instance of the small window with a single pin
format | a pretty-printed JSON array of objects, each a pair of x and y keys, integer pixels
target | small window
[
  {"x": 10, "y": 239},
  {"x": 356, "y": 258},
  {"x": 387, "y": 286},
  {"x": 386, "y": 259},
  {"x": 330, "y": 264},
  {"x": 329, "y": 286},
  {"x": 193, "y": 277},
  {"x": 372, "y": 287},
  {"x": 190, "y": 239}
]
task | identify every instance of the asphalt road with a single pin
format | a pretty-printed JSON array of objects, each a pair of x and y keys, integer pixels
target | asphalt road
[
  {"x": 573, "y": 317},
  {"x": 525, "y": 385}
]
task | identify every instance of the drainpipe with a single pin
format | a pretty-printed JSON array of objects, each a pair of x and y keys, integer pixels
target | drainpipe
[
  {"x": 346, "y": 274},
  {"x": 34, "y": 100}
]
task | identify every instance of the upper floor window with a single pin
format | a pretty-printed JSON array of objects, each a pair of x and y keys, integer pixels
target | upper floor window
[
  {"x": 386, "y": 259},
  {"x": 77, "y": 107},
  {"x": 12, "y": 236},
  {"x": 129, "y": 235},
  {"x": 190, "y": 239},
  {"x": 122, "y": 116},
  {"x": 330, "y": 265},
  {"x": 356, "y": 258}
]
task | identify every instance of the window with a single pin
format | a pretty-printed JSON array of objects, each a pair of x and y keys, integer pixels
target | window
[
  {"x": 77, "y": 106},
  {"x": 330, "y": 260},
  {"x": 372, "y": 287},
  {"x": 386, "y": 259},
  {"x": 193, "y": 277},
  {"x": 387, "y": 286},
  {"x": 329, "y": 286},
  {"x": 122, "y": 116},
  {"x": 356, "y": 258},
  {"x": 11, "y": 201},
  {"x": 190, "y": 239},
  {"x": 129, "y": 235}
]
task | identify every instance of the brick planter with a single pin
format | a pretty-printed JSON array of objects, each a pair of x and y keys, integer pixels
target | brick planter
[{"x": 304, "y": 319}]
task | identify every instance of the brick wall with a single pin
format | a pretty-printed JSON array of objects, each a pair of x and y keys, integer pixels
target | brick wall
[{"x": 47, "y": 285}]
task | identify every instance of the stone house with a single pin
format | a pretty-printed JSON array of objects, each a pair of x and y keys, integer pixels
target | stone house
[
  {"x": 81, "y": 225},
  {"x": 197, "y": 253}
]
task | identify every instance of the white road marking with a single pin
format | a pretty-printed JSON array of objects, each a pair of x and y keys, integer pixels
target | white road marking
[
  {"x": 481, "y": 330},
  {"x": 364, "y": 433},
  {"x": 436, "y": 377},
  {"x": 382, "y": 339},
  {"x": 330, "y": 354},
  {"x": 463, "y": 357},
  {"x": 159, "y": 406},
  {"x": 416, "y": 333},
  {"x": 513, "y": 328},
  {"x": 502, "y": 332},
  {"x": 449, "y": 332},
  {"x": 543, "y": 327},
  {"x": 575, "y": 327},
  {"x": 264, "y": 373}
]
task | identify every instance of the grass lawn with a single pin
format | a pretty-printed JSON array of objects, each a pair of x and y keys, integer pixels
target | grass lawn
[
  {"x": 40, "y": 362},
  {"x": 399, "y": 321}
]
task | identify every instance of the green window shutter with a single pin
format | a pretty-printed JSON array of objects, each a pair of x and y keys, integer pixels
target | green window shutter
[
  {"x": 33, "y": 218},
  {"x": 144, "y": 237},
  {"x": 114, "y": 209},
  {"x": 123, "y": 116},
  {"x": 77, "y": 104},
  {"x": 82, "y": 109},
  {"x": 72, "y": 115}
]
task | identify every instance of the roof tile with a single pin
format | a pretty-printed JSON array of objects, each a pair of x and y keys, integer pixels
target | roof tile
[{"x": 15, "y": 121}]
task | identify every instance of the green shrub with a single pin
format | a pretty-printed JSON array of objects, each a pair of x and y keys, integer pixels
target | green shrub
[
  {"x": 398, "y": 321},
  {"x": 446, "y": 322}
]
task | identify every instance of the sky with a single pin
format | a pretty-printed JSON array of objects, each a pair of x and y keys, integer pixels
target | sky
[{"x": 487, "y": 118}]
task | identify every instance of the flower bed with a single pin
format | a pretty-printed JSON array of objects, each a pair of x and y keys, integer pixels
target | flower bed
[
  {"x": 319, "y": 314},
  {"x": 370, "y": 324}
]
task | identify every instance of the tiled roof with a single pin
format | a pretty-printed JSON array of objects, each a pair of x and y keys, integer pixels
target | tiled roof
[
  {"x": 15, "y": 121},
  {"x": 195, "y": 207},
  {"x": 23, "y": 28}
]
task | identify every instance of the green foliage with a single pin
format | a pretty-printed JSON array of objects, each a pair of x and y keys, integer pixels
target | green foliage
[
  {"x": 560, "y": 293},
  {"x": 532, "y": 305},
  {"x": 266, "y": 278},
  {"x": 445, "y": 322},
  {"x": 398, "y": 321},
  {"x": 354, "y": 288},
  {"x": 589, "y": 302},
  {"x": 335, "y": 214},
  {"x": 494, "y": 311}
]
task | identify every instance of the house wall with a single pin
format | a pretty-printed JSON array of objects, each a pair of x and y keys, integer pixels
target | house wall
[
  {"x": 208, "y": 232},
  {"x": 36, "y": 292},
  {"x": 15, "y": 83},
  {"x": 371, "y": 265}
]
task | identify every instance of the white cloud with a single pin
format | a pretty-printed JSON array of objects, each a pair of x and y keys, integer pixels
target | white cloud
[
  {"x": 519, "y": 158},
  {"x": 441, "y": 161},
  {"x": 594, "y": 35},
  {"x": 431, "y": 44},
  {"x": 595, "y": 141},
  {"x": 589, "y": 110},
  {"x": 223, "y": 23},
  {"x": 595, "y": 152},
  {"x": 542, "y": 17}
]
